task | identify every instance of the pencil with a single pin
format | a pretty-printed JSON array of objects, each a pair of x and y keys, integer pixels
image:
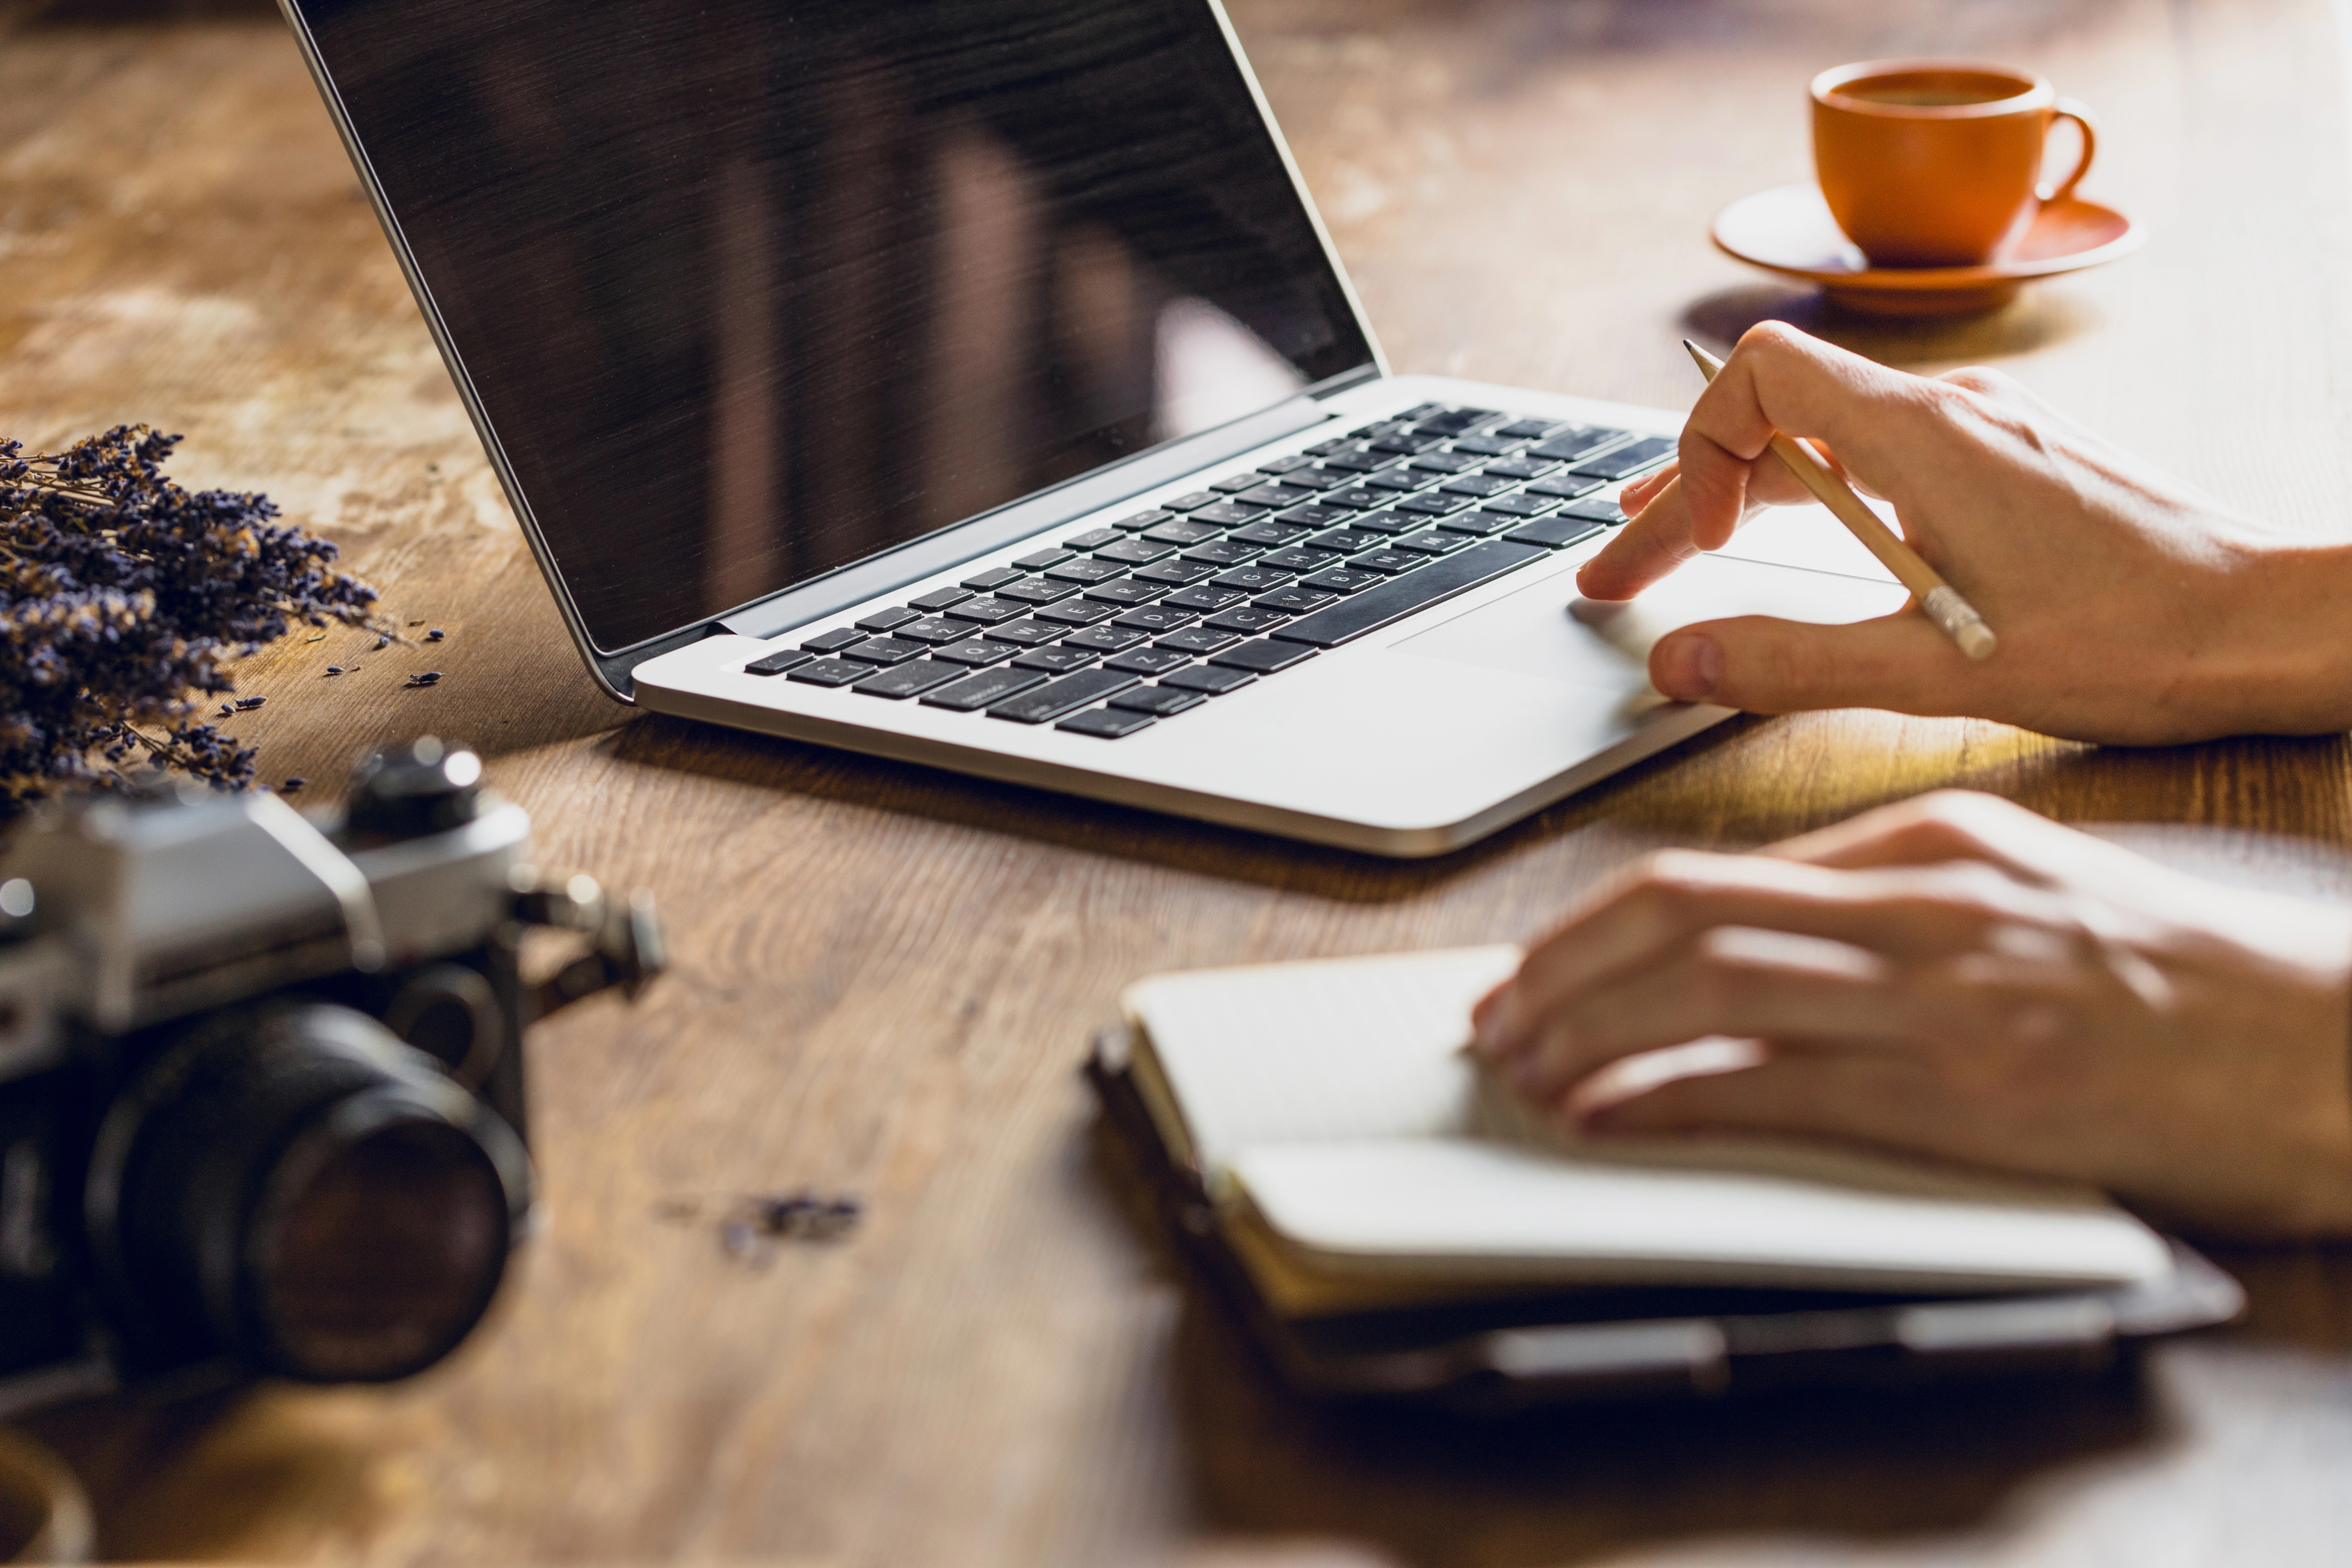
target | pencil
[{"x": 1941, "y": 602}]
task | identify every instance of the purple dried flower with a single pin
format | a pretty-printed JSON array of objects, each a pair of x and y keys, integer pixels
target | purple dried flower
[{"x": 123, "y": 599}]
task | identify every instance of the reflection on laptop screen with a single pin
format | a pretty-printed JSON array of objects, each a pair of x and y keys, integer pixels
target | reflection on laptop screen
[{"x": 749, "y": 291}]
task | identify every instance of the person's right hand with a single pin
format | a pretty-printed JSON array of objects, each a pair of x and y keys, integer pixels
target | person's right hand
[{"x": 2130, "y": 607}]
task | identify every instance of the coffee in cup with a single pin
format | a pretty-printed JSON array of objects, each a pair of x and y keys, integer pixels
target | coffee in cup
[{"x": 1938, "y": 163}]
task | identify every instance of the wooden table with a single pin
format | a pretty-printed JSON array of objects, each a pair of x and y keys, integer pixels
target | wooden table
[{"x": 885, "y": 976}]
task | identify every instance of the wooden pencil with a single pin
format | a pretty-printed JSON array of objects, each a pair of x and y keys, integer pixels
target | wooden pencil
[{"x": 1940, "y": 601}]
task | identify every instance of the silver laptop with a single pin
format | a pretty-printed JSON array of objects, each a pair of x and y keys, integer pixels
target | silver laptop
[{"x": 971, "y": 383}]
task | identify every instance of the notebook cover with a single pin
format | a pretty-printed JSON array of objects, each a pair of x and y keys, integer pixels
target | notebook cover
[{"x": 1496, "y": 1357}]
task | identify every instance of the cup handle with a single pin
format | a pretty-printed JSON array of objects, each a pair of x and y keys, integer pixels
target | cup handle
[{"x": 2080, "y": 113}]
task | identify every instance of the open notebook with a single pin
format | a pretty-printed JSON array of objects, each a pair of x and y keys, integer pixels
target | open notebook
[{"x": 1356, "y": 1159}]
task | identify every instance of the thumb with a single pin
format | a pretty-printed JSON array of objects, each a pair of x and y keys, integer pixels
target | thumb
[{"x": 1760, "y": 664}]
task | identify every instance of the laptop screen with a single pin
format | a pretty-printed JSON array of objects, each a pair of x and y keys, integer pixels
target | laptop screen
[{"x": 747, "y": 292}]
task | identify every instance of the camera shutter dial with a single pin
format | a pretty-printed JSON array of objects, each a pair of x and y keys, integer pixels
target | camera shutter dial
[{"x": 449, "y": 1012}]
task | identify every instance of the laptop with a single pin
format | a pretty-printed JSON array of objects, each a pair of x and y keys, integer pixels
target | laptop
[{"x": 973, "y": 383}]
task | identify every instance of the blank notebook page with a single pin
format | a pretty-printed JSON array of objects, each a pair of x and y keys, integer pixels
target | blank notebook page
[{"x": 1337, "y": 1095}]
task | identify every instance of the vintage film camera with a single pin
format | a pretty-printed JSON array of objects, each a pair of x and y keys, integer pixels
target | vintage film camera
[{"x": 261, "y": 1080}]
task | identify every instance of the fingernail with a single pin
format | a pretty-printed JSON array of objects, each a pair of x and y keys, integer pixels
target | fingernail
[{"x": 1689, "y": 669}]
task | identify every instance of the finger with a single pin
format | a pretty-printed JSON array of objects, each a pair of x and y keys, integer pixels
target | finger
[
  {"x": 1743, "y": 984},
  {"x": 1948, "y": 826},
  {"x": 1778, "y": 379},
  {"x": 1762, "y": 665},
  {"x": 1662, "y": 536},
  {"x": 1883, "y": 1100}
]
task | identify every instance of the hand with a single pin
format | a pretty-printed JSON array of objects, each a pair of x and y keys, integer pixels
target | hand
[
  {"x": 1957, "y": 977},
  {"x": 2130, "y": 607}
]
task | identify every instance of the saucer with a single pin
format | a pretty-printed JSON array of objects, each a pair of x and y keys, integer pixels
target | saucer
[{"x": 1790, "y": 231}]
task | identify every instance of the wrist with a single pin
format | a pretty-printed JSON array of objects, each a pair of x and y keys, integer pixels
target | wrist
[{"x": 2287, "y": 660}]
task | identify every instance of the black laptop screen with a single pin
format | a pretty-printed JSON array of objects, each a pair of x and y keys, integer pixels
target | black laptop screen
[{"x": 749, "y": 291}]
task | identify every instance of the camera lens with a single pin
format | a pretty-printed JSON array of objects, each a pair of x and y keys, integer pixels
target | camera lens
[{"x": 291, "y": 1187}]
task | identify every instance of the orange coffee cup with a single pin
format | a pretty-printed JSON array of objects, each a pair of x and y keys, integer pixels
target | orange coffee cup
[{"x": 1938, "y": 163}]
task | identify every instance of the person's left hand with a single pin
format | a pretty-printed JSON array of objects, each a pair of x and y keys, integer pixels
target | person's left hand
[{"x": 1957, "y": 977}]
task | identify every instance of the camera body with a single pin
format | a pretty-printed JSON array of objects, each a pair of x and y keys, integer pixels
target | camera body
[{"x": 262, "y": 1105}]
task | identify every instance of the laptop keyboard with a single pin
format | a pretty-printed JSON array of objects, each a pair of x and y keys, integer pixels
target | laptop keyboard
[{"x": 1116, "y": 628}]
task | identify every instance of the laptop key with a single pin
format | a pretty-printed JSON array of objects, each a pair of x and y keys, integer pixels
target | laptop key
[
  {"x": 1293, "y": 601},
  {"x": 1627, "y": 460},
  {"x": 1289, "y": 465},
  {"x": 829, "y": 672},
  {"x": 1246, "y": 619},
  {"x": 1566, "y": 487},
  {"x": 975, "y": 652},
  {"x": 1112, "y": 639},
  {"x": 1478, "y": 486},
  {"x": 1037, "y": 591},
  {"x": 1209, "y": 679},
  {"x": 939, "y": 599},
  {"x": 1600, "y": 509},
  {"x": 886, "y": 620},
  {"x": 1406, "y": 442},
  {"x": 1341, "y": 580},
  {"x": 1433, "y": 504},
  {"x": 1359, "y": 497},
  {"x": 1077, "y": 612},
  {"x": 1198, "y": 640},
  {"x": 1181, "y": 533},
  {"x": 1155, "y": 617},
  {"x": 1525, "y": 504},
  {"x": 1480, "y": 524},
  {"x": 1125, "y": 593},
  {"x": 1027, "y": 634},
  {"x": 934, "y": 630},
  {"x": 1532, "y": 429},
  {"x": 1389, "y": 523},
  {"x": 1106, "y": 723},
  {"x": 1346, "y": 541},
  {"x": 1520, "y": 467},
  {"x": 1430, "y": 543},
  {"x": 1041, "y": 560},
  {"x": 1187, "y": 502},
  {"x": 1359, "y": 462},
  {"x": 1444, "y": 462},
  {"x": 1399, "y": 481},
  {"x": 1160, "y": 700},
  {"x": 1141, "y": 520},
  {"x": 1056, "y": 660},
  {"x": 1221, "y": 553},
  {"x": 777, "y": 663},
  {"x": 1225, "y": 514},
  {"x": 995, "y": 576},
  {"x": 1149, "y": 660},
  {"x": 1392, "y": 600},
  {"x": 908, "y": 679},
  {"x": 1274, "y": 494},
  {"x": 1134, "y": 551},
  {"x": 1233, "y": 484},
  {"x": 982, "y": 690},
  {"x": 1557, "y": 532},
  {"x": 1264, "y": 657},
  {"x": 1083, "y": 569},
  {"x": 884, "y": 650},
  {"x": 1489, "y": 446},
  {"x": 1297, "y": 558},
  {"x": 987, "y": 611},
  {"x": 1315, "y": 516},
  {"x": 1204, "y": 598},
  {"x": 1267, "y": 535},
  {"x": 1389, "y": 563},
  {"x": 1575, "y": 443},
  {"x": 1057, "y": 697},
  {"x": 834, "y": 641},
  {"x": 1092, "y": 539},
  {"x": 1254, "y": 579},
  {"x": 1175, "y": 574}
]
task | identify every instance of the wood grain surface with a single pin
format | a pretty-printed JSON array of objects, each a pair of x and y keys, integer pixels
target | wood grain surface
[{"x": 885, "y": 976}]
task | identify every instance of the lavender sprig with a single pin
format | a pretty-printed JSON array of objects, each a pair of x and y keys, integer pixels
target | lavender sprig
[{"x": 123, "y": 600}]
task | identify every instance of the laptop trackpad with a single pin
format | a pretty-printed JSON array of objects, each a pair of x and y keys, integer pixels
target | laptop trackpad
[{"x": 1548, "y": 631}]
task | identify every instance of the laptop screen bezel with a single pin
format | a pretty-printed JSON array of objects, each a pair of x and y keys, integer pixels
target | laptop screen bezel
[{"x": 878, "y": 572}]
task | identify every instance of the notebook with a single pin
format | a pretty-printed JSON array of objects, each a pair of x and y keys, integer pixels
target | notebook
[{"x": 1356, "y": 1158}]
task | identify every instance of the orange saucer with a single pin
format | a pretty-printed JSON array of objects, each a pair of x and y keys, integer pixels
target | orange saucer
[{"x": 1790, "y": 231}]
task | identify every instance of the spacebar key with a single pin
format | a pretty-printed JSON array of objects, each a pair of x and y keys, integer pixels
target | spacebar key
[{"x": 1394, "y": 600}]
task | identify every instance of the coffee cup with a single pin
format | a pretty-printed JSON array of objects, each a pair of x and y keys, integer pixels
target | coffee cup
[{"x": 1938, "y": 163}]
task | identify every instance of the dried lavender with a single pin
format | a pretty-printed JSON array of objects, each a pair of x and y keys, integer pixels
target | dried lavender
[{"x": 124, "y": 598}]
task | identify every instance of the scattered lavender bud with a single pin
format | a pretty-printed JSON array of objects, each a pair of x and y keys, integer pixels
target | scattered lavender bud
[
  {"x": 251, "y": 702},
  {"x": 381, "y": 644},
  {"x": 435, "y": 635},
  {"x": 225, "y": 711},
  {"x": 335, "y": 669},
  {"x": 290, "y": 785}
]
